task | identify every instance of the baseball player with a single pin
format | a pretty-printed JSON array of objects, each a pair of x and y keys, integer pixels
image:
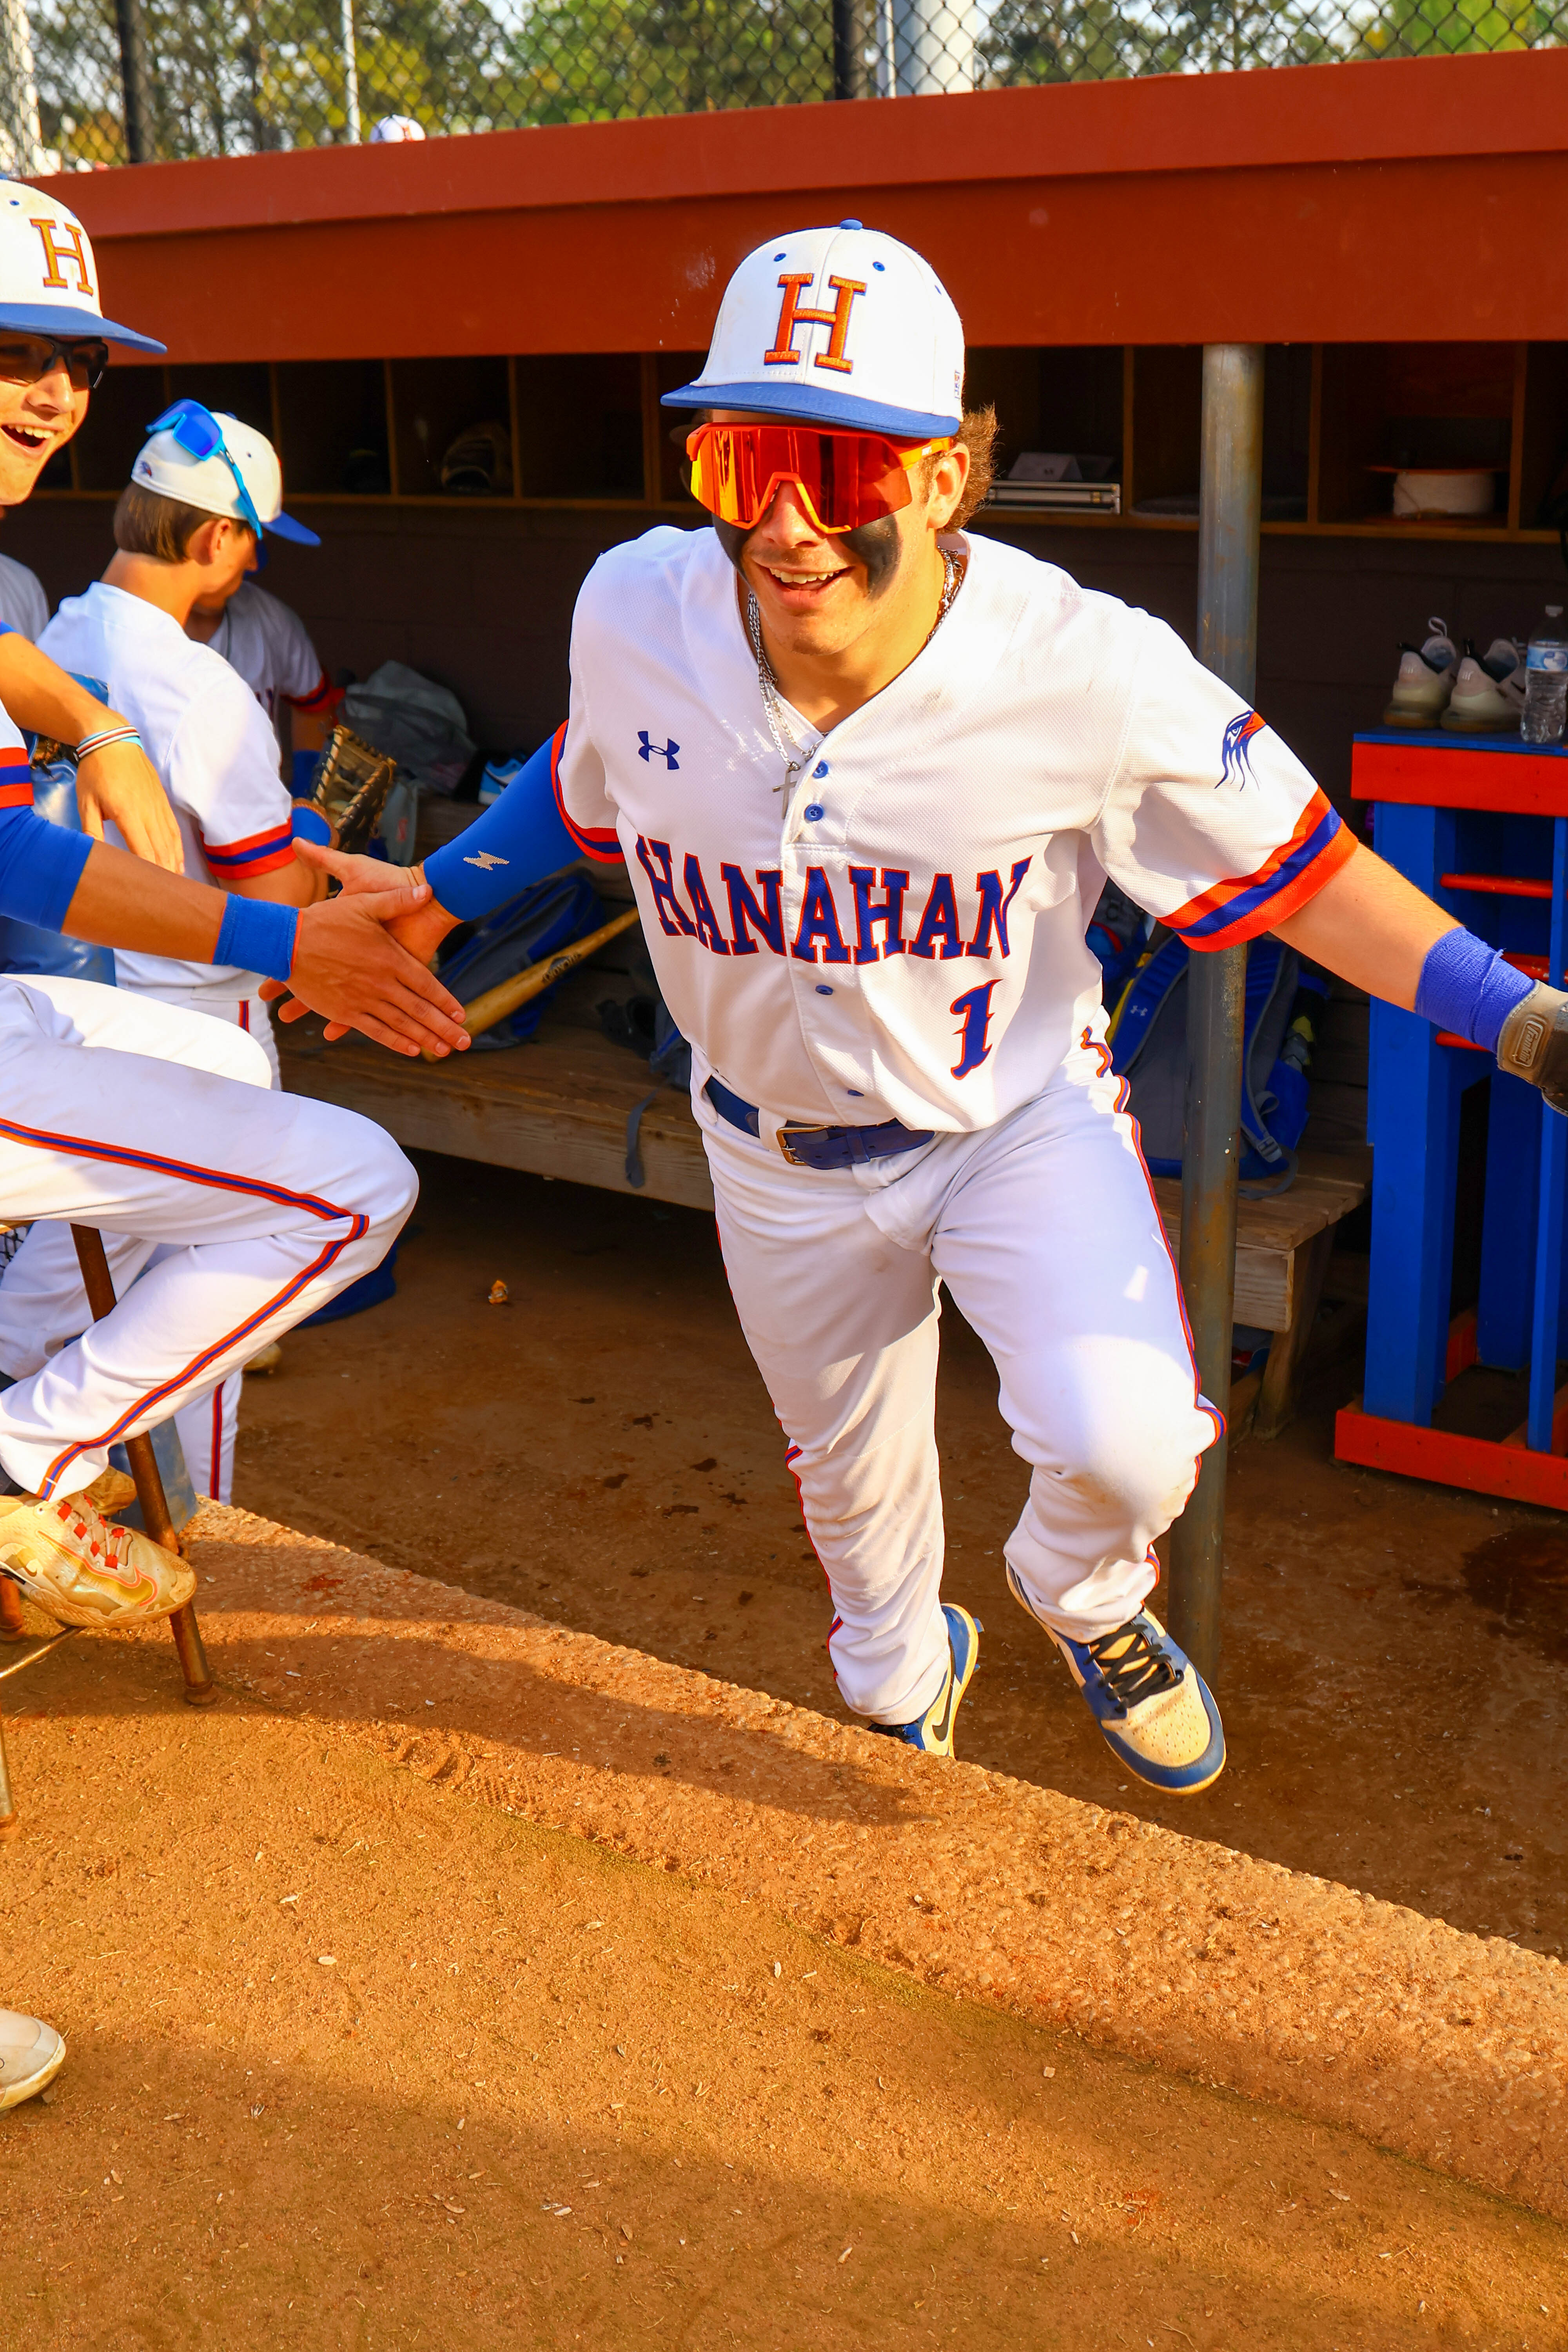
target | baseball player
[
  {"x": 148, "y": 1122},
  {"x": 268, "y": 642},
  {"x": 870, "y": 772},
  {"x": 188, "y": 525}
]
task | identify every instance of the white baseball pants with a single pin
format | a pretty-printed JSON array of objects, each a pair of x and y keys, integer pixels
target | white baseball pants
[
  {"x": 228, "y": 1211},
  {"x": 1046, "y": 1232},
  {"x": 43, "y": 1304}
]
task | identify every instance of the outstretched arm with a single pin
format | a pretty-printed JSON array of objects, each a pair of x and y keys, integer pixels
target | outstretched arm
[{"x": 1372, "y": 927}]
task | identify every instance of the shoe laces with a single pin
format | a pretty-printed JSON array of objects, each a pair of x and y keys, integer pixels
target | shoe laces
[
  {"x": 101, "y": 1539},
  {"x": 1133, "y": 1665}
]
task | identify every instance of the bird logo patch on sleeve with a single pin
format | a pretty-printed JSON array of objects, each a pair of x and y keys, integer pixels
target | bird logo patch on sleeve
[{"x": 1236, "y": 760}]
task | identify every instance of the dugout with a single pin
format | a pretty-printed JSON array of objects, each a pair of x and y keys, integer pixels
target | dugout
[{"x": 1386, "y": 229}]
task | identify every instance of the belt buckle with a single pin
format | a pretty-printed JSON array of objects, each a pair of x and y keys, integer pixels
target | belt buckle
[{"x": 800, "y": 1131}]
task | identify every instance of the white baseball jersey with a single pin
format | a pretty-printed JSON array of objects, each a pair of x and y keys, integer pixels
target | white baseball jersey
[
  {"x": 905, "y": 939},
  {"x": 209, "y": 740},
  {"x": 23, "y": 604},
  {"x": 269, "y": 645}
]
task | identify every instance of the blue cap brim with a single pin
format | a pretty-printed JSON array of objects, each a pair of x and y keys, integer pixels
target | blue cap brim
[
  {"x": 284, "y": 526},
  {"x": 814, "y": 405},
  {"x": 49, "y": 318}
]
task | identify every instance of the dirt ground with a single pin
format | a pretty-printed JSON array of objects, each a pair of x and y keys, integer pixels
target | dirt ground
[
  {"x": 359, "y": 2063},
  {"x": 601, "y": 1450}
]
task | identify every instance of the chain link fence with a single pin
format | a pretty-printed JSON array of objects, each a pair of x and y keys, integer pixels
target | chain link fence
[{"x": 85, "y": 83}]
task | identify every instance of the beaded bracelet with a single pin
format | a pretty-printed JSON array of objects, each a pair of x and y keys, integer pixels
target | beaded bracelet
[{"x": 105, "y": 737}]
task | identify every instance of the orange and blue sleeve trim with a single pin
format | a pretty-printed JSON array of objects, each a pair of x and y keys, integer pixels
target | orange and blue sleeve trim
[
  {"x": 15, "y": 777},
  {"x": 259, "y": 853},
  {"x": 1231, "y": 912},
  {"x": 323, "y": 696},
  {"x": 603, "y": 843}
]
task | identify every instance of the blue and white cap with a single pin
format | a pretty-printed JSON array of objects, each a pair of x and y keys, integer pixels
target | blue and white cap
[
  {"x": 48, "y": 278},
  {"x": 837, "y": 326},
  {"x": 233, "y": 471}
]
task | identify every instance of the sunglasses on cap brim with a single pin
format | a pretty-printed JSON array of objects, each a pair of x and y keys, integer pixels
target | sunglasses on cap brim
[
  {"x": 843, "y": 480},
  {"x": 197, "y": 432}
]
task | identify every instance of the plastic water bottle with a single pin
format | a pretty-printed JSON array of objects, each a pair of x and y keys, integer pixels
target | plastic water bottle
[{"x": 1546, "y": 681}]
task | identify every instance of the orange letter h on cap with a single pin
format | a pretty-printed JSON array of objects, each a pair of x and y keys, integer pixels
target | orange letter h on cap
[
  {"x": 792, "y": 316},
  {"x": 70, "y": 250}
]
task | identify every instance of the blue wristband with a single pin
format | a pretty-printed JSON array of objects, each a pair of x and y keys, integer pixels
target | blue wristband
[
  {"x": 1466, "y": 986},
  {"x": 308, "y": 824},
  {"x": 258, "y": 935}
]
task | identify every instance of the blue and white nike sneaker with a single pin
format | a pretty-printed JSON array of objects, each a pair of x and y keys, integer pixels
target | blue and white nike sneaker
[
  {"x": 1157, "y": 1712},
  {"x": 933, "y": 1732}
]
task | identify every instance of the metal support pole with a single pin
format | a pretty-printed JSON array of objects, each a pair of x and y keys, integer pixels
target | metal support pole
[
  {"x": 1229, "y": 506},
  {"x": 848, "y": 50},
  {"x": 136, "y": 81},
  {"x": 351, "y": 77}
]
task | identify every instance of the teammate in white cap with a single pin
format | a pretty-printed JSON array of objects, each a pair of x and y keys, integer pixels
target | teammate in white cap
[
  {"x": 189, "y": 523},
  {"x": 870, "y": 772},
  {"x": 247, "y": 1208}
]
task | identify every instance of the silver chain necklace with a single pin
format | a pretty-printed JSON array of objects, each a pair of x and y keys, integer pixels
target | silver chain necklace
[{"x": 792, "y": 752}]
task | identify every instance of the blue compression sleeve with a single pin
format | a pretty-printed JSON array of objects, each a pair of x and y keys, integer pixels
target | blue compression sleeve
[
  {"x": 520, "y": 839},
  {"x": 40, "y": 866},
  {"x": 1467, "y": 987}
]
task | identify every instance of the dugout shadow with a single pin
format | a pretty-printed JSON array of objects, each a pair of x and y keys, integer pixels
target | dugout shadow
[{"x": 507, "y": 1705}]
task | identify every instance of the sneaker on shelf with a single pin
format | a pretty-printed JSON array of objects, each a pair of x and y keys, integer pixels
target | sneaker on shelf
[
  {"x": 31, "y": 2055},
  {"x": 1489, "y": 690},
  {"x": 1425, "y": 679},
  {"x": 933, "y": 1732},
  {"x": 83, "y": 1569}
]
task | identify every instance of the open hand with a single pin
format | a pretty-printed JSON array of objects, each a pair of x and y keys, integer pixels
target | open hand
[
  {"x": 119, "y": 785},
  {"x": 350, "y": 968},
  {"x": 420, "y": 931}
]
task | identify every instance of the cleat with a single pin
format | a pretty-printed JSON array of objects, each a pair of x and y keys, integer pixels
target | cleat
[
  {"x": 1425, "y": 679},
  {"x": 82, "y": 1569},
  {"x": 31, "y": 2055},
  {"x": 265, "y": 1359},
  {"x": 933, "y": 1732}
]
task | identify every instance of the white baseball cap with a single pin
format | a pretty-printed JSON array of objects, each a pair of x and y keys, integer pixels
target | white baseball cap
[
  {"x": 206, "y": 458},
  {"x": 837, "y": 326},
  {"x": 393, "y": 127},
  {"x": 48, "y": 279}
]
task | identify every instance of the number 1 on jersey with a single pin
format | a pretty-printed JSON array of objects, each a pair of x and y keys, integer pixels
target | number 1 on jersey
[{"x": 973, "y": 1010}]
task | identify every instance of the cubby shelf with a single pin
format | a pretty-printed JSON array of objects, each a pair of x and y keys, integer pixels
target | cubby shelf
[{"x": 370, "y": 433}]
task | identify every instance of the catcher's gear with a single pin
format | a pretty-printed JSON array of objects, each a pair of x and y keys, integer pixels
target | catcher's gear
[
  {"x": 1534, "y": 1043},
  {"x": 349, "y": 787}
]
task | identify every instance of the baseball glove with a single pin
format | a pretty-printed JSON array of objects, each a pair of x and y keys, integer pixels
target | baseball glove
[
  {"x": 1534, "y": 1044},
  {"x": 349, "y": 787}
]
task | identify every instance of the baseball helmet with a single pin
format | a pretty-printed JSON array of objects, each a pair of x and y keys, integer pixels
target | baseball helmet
[
  {"x": 839, "y": 327},
  {"x": 48, "y": 278}
]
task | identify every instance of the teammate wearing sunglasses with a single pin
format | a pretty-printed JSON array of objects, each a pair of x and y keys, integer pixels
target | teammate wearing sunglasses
[
  {"x": 870, "y": 772},
  {"x": 153, "y": 1124}
]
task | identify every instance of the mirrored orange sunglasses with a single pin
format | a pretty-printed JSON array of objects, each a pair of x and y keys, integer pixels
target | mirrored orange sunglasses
[{"x": 843, "y": 480}]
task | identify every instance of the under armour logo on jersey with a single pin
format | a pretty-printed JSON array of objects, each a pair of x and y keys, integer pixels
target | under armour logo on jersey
[
  {"x": 793, "y": 315},
  {"x": 485, "y": 859},
  {"x": 1236, "y": 760},
  {"x": 649, "y": 750}
]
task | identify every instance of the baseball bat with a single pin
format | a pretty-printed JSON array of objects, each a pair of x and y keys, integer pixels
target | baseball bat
[{"x": 497, "y": 1003}]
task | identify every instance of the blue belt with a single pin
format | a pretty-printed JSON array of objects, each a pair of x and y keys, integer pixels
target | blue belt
[{"x": 820, "y": 1147}]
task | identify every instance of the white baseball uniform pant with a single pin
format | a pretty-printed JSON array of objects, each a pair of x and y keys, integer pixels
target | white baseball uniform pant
[
  {"x": 228, "y": 1212},
  {"x": 46, "y": 1306},
  {"x": 1045, "y": 1230}
]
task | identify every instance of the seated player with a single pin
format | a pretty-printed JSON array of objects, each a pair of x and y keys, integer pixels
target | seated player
[
  {"x": 870, "y": 772},
  {"x": 151, "y": 1123},
  {"x": 23, "y": 604},
  {"x": 268, "y": 642}
]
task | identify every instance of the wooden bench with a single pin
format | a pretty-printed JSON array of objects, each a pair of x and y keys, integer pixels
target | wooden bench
[{"x": 558, "y": 1107}]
